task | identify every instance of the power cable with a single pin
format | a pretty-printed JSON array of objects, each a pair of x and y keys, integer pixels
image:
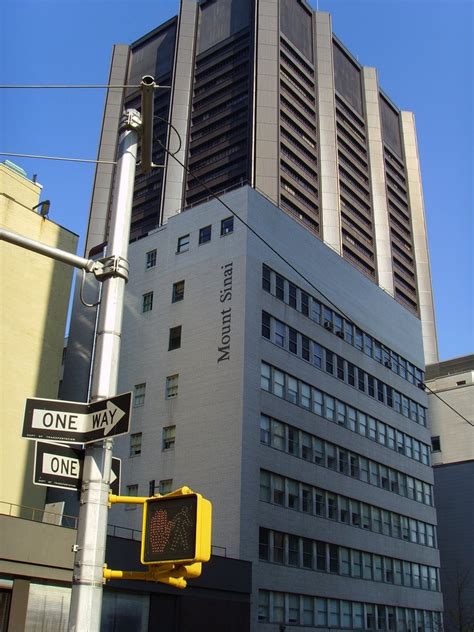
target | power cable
[
  {"x": 448, "y": 405},
  {"x": 68, "y": 86}
]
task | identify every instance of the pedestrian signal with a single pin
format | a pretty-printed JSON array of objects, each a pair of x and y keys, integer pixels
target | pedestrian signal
[{"x": 176, "y": 529}]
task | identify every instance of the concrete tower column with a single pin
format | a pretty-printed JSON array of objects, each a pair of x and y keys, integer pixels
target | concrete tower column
[
  {"x": 182, "y": 85},
  {"x": 422, "y": 262},
  {"x": 330, "y": 207},
  {"x": 377, "y": 181}
]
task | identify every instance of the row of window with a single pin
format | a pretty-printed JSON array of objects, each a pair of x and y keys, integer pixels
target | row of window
[
  {"x": 292, "y": 550},
  {"x": 205, "y": 233},
  {"x": 293, "y": 341},
  {"x": 167, "y": 443},
  {"x": 171, "y": 390},
  {"x": 287, "y": 492},
  {"x": 164, "y": 486},
  {"x": 177, "y": 294},
  {"x": 325, "y": 454},
  {"x": 277, "y": 607},
  {"x": 295, "y": 297},
  {"x": 312, "y": 399}
]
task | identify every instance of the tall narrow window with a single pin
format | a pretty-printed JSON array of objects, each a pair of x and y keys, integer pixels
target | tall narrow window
[
  {"x": 178, "y": 291},
  {"x": 150, "y": 259},
  {"x": 169, "y": 435},
  {"x": 147, "y": 302},
  {"x": 172, "y": 386},
  {"x": 136, "y": 444},
  {"x": 266, "y": 278},
  {"x": 175, "y": 338},
  {"x": 139, "y": 394}
]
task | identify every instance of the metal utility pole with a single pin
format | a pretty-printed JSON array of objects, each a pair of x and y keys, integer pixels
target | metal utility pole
[{"x": 87, "y": 584}]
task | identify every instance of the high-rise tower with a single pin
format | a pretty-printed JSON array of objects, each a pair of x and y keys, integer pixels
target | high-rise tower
[
  {"x": 262, "y": 93},
  {"x": 294, "y": 403}
]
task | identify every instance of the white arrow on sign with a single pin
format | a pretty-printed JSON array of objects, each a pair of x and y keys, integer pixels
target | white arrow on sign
[{"x": 104, "y": 420}]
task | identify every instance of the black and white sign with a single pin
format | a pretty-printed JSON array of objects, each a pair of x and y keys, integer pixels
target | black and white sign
[
  {"x": 115, "y": 476},
  {"x": 71, "y": 422},
  {"x": 58, "y": 465}
]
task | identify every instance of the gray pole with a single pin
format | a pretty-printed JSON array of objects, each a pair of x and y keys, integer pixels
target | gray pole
[{"x": 86, "y": 596}]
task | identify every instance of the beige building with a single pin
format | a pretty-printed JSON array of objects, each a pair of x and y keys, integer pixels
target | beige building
[
  {"x": 451, "y": 413},
  {"x": 34, "y": 293}
]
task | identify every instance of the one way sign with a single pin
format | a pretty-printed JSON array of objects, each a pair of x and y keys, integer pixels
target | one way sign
[
  {"x": 58, "y": 465},
  {"x": 70, "y": 422}
]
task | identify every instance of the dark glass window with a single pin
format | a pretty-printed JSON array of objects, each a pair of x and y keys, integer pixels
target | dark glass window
[
  {"x": 266, "y": 278},
  {"x": 227, "y": 226},
  {"x": 304, "y": 303},
  {"x": 435, "y": 444},
  {"x": 293, "y": 340},
  {"x": 280, "y": 287},
  {"x": 305, "y": 347},
  {"x": 292, "y": 295},
  {"x": 205, "y": 234},
  {"x": 266, "y": 325},
  {"x": 329, "y": 362},
  {"x": 175, "y": 338}
]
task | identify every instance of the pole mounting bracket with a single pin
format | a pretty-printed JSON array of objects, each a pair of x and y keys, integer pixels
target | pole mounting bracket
[{"x": 113, "y": 266}]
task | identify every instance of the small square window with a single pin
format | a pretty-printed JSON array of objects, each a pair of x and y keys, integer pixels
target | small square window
[
  {"x": 147, "y": 302},
  {"x": 139, "y": 395},
  {"x": 169, "y": 434},
  {"x": 166, "y": 486},
  {"x": 183, "y": 243},
  {"x": 150, "y": 259},
  {"x": 178, "y": 291},
  {"x": 136, "y": 444},
  {"x": 172, "y": 386},
  {"x": 435, "y": 444},
  {"x": 227, "y": 226},
  {"x": 205, "y": 234},
  {"x": 175, "y": 338}
]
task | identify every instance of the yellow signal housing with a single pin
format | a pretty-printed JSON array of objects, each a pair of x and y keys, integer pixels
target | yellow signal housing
[{"x": 176, "y": 528}]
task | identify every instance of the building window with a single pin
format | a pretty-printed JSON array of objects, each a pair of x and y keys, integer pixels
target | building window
[
  {"x": 132, "y": 490},
  {"x": 183, "y": 243},
  {"x": 436, "y": 444},
  {"x": 178, "y": 291},
  {"x": 172, "y": 386},
  {"x": 175, "y": 338},
  {"x": 166, "y": 486},
  {"x": 147, "y": 302},
  {"x": 150, "y": 259},
  {"x": 169, "y": 436},
  {"x": 139, "y": 394},
  {"x": 136, "y": 444},
  {"x": 205, "y": 234},
  {"x": 227, "y": 226}
]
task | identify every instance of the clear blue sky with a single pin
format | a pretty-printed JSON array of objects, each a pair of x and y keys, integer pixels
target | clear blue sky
[{"x": 423, "y": 50}]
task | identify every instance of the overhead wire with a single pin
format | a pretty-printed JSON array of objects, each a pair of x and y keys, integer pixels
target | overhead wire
[{"x": 71, "y": 86}]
